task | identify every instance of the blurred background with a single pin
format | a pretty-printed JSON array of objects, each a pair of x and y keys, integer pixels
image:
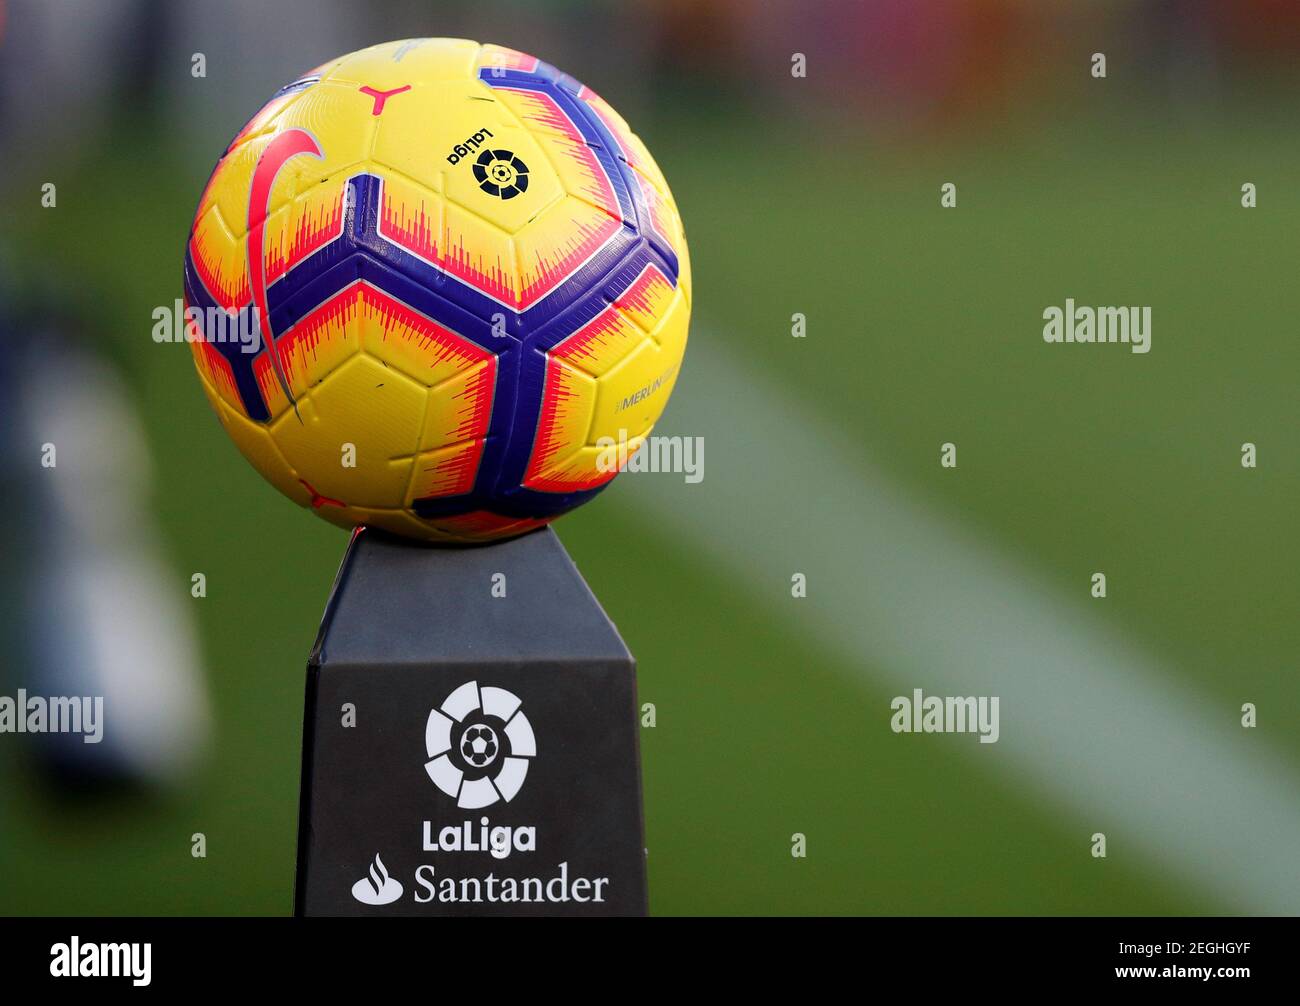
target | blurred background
[{"x": 816, "y": 195}]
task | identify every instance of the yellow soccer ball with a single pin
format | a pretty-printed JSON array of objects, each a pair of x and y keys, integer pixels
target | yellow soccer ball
[{"x": 430, "y": 283}]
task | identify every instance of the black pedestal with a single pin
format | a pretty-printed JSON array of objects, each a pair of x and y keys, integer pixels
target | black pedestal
[{"x": 464, "y": 752}]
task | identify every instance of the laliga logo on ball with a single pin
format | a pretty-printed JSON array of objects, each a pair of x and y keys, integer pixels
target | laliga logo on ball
[
  {"x": 501, "y": 173},
  {"x": 479, "y": 743}
]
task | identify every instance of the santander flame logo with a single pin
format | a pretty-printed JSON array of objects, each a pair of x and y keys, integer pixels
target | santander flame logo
[{"x": 377, "y": 887}]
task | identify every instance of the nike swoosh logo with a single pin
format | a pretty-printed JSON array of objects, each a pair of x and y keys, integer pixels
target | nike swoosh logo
[{"x": 284, "y": 147}]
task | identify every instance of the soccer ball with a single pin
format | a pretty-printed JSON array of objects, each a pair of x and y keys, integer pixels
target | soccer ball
[
  {"x": 479, "y": 745},
  {"x": 430, "y": 283}
]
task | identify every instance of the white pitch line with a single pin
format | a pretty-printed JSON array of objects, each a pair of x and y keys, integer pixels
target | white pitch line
[{"x": 1095, "y": 725}]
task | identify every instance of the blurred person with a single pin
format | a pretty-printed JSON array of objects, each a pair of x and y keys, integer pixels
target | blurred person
[
  {"x": 94, "y": 612},
  {"x": 98, "y": 612}
]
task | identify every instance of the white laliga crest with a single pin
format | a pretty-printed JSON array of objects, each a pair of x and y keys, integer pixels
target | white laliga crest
[{"x": 478, "y": 745}]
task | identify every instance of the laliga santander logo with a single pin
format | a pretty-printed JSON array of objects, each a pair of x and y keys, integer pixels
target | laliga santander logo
[{"x": 479, "y": 743}]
